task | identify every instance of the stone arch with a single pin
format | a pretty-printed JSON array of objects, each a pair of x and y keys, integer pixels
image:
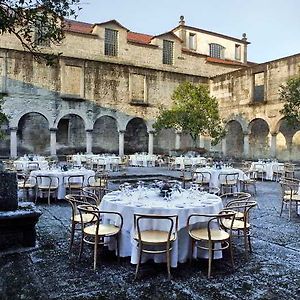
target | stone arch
[
  {"x": 136, "y": 136},
  {"x": 33, "y": 134},
  {"x": 259, "y": 139},
  {"x": 105, "y": 135},
  {"x": 71, "y": 134},
  {"x": 87, "y": 123},
  {"x": 234, "y": 139},
  {"x": 5, "y": 141},
  {"x": 164, "y": 141},
  {"x": 295, "y": 146},
  {"x": 243, "y": 123}
]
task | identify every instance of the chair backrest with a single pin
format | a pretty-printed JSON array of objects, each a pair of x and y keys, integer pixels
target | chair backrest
[
  {"x": 238, "y": 196},
  {"x": 77, "y": 179},
  {"x": 75, "y": 200},
  {"x": 228, "y": 177},
  {"x": 290, "y": 186},
  {"x": 31, "y": 166},
  {"x": 95, "y": 192},
  {"x": 202, "y": 177},
  {"x": 243, "y": 207},
  {"x": 47, "y": 180},
  {"x": 169, "y": 223}
]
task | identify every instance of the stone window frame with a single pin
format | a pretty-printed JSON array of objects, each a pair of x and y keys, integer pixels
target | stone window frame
[
  {"x": 111, "y": 42},
  {"x": 238, "y": 52},
  {"x": 168, "y": 52},
  {"x": 216, "y": 51},
  {"x": 192, "y": 41},
  {"x": 141, "y": 102}
]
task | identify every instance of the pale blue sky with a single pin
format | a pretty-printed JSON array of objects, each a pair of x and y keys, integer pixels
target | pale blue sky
[{"x": 272, "y": 26}]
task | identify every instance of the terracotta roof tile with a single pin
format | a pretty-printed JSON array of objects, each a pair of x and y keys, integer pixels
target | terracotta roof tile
[
  {"x": 223, "y": 61},
  {"x": 139, "y": 37},
  {"x": 80, "y": 27}
]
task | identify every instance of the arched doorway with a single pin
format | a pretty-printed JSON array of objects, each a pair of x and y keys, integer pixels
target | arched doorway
[
  {"x": 164, "y": 141},
  {"x": 33, "y": 134},
  {"x": 71, "y": 136},
  {"x": 5, "y": 139},
  {"x": 105, "y": 135},
  {"x": 234, "y": 139},
  {"x": 259, "y": 139},
  {"x": 136, "y": 136}
]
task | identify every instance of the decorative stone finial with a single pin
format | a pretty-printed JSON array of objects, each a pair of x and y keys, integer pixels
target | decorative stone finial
[
  {"x": 244, "y": 37},
  {"x": 181, "y": 22}
]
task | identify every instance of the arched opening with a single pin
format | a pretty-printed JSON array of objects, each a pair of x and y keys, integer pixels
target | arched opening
[
  {"x": 105, "y": 135},
  {"x": 234, "y": 139},
  {"x": 33, "y": 134},
  {"x": 164, "y": 141},
  {"x": 70, "y": 136},
  {"x": 296, "y": 146},
  {"x": 259, "y": 139},
  {"x": 187, "y": 142},
  {"x": 136, "y": 136},
  {"x": 5, "y": 139}
]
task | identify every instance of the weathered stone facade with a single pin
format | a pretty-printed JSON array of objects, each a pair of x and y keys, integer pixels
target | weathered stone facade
[{"x": 90, "y": 101}]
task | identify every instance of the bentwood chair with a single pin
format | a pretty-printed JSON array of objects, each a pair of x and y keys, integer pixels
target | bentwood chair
[
  {"x": 241, "y": 224},
  {"x": 228, "y": 182},
  {"x": 96, "y": 233},
  {"x": 214, "y": 232},
  {"x": 26, "y": 184},
  {"x": 48, "y": 185},
  {"x": 153, "y": 241},
  {"x": 74, "y": 183},
  {"x": 76, "y": 200},
  {"x": 202, "y": 179},
  {"x": 290, "y": 194}
]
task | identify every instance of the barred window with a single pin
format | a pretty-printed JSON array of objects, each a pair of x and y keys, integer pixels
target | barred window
[
  {"x": 168, "y": 48},
  {"x": 216, "y": 50},
  {"x": 111, "y": 42}
]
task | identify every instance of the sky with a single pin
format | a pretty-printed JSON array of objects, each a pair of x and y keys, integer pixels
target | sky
[{"x": 272, "y": 26}]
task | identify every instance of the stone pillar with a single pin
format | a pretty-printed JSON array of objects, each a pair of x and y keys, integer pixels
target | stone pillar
[
  {"x": 13, "y": 142},
  {"x": 121, "y": 142},
  {"x": 272, "y": 139},
  {"x": 224, "y": 147},
  {"x": 246, "y": 145},
  {"x": 201, "y": 141},
  {"x": 53, "y": 141},
  {"x": 177, "y": 140},
  {"x": 150, "y": 142},
  {"x": 89, "y": 141}
]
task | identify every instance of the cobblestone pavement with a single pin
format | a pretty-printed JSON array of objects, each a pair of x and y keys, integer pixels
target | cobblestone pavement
[{"x": 272, "y": 271}]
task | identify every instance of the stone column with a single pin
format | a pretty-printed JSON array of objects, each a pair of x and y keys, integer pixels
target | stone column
[
  {"x": 53, "y": 141},
  {"x": 121, "y": 142},
  {"x": 150, "y": 142},
  {"x": 177, "y": 140},
  {"x": 246, "y": 145},
  {"x": 13, "y": 142},
  {"x": 89, "y": 140},
  {"x": 224, "y": 146},
  {"x": 272, "y": 139},
  {"x": 201, "y": 141}
]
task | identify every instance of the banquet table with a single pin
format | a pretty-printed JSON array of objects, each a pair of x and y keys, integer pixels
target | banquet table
[
  {"x": 214, "y": 179},
  {"x": 24, "y": 163},
  {"x": 63, "y": 177},
  {"x": 181, "y": 161},
  {"x": 149, "y": 201},
  {"x": 142, "y": 160},
  {"x": 267, "y": 167}
]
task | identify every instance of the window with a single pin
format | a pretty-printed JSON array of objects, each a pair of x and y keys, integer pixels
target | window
[
  {"x": 216, "y": 50},
  {"x": 111, "y": 42},
  {"x": 40, "y": 35},
  {"x": 259, "y": 87},
  {"x": 192, "y": 41},
  {"x": 168, "y": 48},
  {"x": 237, "y": 52}
]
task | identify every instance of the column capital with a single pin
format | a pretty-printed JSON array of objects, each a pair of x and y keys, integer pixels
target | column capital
[
  {"x": 178, "y": 131},
  {"x": 273, "y": 133},
  {"x": 121, "y": 131},
  {"x": 52, "y": 129},
  {"x": 89, "y": 130},
  {"x": 13, "y": 128},
  {"x": 151, "y": 131}
]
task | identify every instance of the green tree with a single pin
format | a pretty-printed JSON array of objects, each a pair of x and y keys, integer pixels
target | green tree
[
  {"x": 3, "y": 118},
  {"x": 36, "y": 22},
  {"x": 290, "y": 94},
  {"x": 193, "y": 111}
]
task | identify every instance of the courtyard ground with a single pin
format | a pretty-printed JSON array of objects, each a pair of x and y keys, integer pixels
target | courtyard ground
[{"x": 49, "y": 271}]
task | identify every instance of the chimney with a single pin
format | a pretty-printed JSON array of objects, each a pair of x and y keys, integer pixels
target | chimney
[
  {"x": 244, "y": 39},
  {"x": 182, "y": 31}
]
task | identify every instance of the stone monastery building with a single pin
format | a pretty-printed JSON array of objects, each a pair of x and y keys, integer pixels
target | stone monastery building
[{"x": 106, "y": 90}]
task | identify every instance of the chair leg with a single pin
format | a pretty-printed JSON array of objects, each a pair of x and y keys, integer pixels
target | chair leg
[
  {"x": 245, "y": 242},
  {"x": 282, "y": 204},
  {"x": 192, "y": 250},
  {"x": 210, "y": 246},
  {"x": 118, "y": 248},
  {"x": 168, "y": 264},
  {"x": 95, "y": 252},
  {"x": 49, "y": 194},
  {"x": 81, "y": 247},
  {"x": 139, "y": 261},
  {"x": 72, "y": 236},
  {"x": 249, "y": 242},
  {"x": 231, "y": 253}
]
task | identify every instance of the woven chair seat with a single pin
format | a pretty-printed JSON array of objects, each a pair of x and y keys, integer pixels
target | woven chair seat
[
  {"x": 237, "y": 224},
  {"x": 202, "y": 234},
  {"x": 86, "y": 218},
  {"x": 154, "y": 237},
  {"x": 103, "y": 230}
]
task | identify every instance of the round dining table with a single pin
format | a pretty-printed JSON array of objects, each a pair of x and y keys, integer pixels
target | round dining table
[{"x": 149, "y": 201}]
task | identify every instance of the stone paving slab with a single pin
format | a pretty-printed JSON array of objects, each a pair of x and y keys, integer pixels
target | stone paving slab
[{"x": 272, "y": 271}]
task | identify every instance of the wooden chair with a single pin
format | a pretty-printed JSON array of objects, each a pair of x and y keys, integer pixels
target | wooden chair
[
  {"x": 186, "y": 176},
  {"x": 228, "y": 182},
  {"x": 47, "y": 184},
  {"x": 289, "y": 170},
  {"x": 26, "y": 183},
  {"x": 290, "y": 194},
  {"x": 202, "y": 179},
  {"x": 149, "y": 239},
  {"x": 213, "y": 233},
  {"x": 96, "y": 233},
  {"x": 249, "y": 181},
  {"x": 74, "y": 183},
  {"x": 76, "y": 200}
]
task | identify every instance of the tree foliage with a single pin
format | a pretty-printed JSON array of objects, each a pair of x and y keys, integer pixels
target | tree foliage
[
  {"x": 193, "y": 111},
  {"x": 27, "y": 18},
  {"x": 3, "y": 118},
  {"x": 290, "y": 94}
]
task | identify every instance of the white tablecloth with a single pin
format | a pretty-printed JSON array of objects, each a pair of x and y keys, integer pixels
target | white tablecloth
[
  {"x": 148, "y": 201},
  {"x": 268, "y": 167},
  {"x": 142, "y": 160},
  {"x": 23, "y": 164},
  {"x": 63, "y": 177},
  {"x": 181, "y": 161},
  {"x": 214, "y": 180}
]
